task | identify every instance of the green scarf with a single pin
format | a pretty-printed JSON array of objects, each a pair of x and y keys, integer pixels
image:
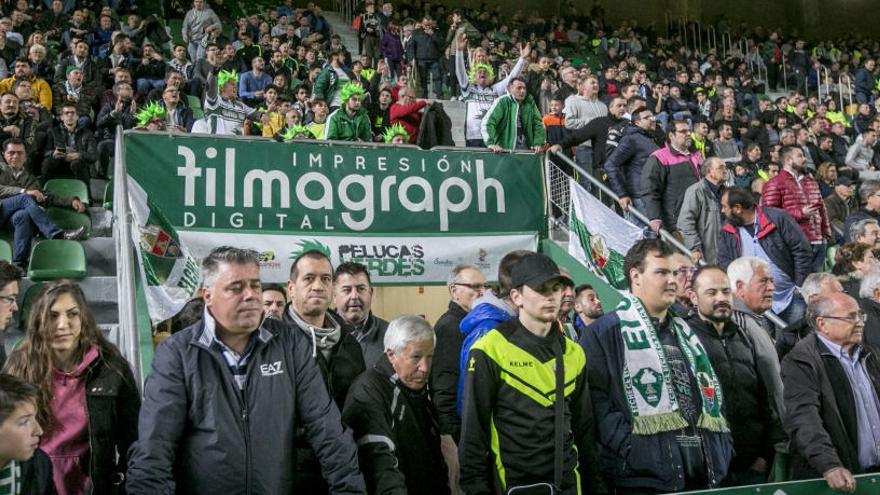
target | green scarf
[{"x": 647, "y": 379}]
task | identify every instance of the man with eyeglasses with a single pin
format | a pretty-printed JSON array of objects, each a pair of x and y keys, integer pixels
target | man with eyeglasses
[
  {"x": 699, "y": 220},
  {"x": 9, "y": 277},
  {"x": 830, "y": 380},
  {"x": 667, "y": 174},
  {"x": 624, "y": 165}
]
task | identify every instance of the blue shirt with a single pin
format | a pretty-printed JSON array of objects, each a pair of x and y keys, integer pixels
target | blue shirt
[
  {"x": 784, "y": 291},
  {"x": 249, "y": 84},
  {"x": 237, "y": 363},
  {"x": 867, "y": 406}
]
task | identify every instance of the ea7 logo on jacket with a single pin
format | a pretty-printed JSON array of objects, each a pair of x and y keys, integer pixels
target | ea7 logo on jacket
[{"x": 271, "y": 369}]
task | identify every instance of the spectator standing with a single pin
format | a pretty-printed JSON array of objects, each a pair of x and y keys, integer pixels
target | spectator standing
[
  {"x": 667, "y": 174},
  {"x": 513, "y": 122},
  {"x": 646, "y": 399},
  {"x": 797, "y": 193},
  {"x": 331, "y": 80},
  {"x": 587, "y": 308},
  {"x": 274, "y": 301},
  {"x": 772, "y": 235},
  {"x": 233, "y": 354},
  {"x": 732, "y": 354},
  {"x": 392, "y": 418},
  {"x": 334, "y": 350},
  {"x": 509, "y": 420},
  {"x": 353, "y": 298},
  {"x": 699, "y": 220},
  {"x": 466, "y": 284},
  {"x": 866, "y": 83},
  {"x": 830, "y": 385},
  {"x": 392, "y": 49},
  {"x": 350, "y": 122},
  {"x": 88, "y": 399},
  {"x": 369, "y": 32},
  {"x": 426, "y": 49},
  {"x": 10, "y": 275},
  {"x": 580, "y": 109},
  {"x": 726, "y": 147},
  {"x": 479, "y": 89},
  {"x": 626, "y": 162}
]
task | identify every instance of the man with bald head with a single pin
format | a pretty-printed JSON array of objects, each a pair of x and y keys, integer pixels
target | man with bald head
[{"x": 833, "y": 417}]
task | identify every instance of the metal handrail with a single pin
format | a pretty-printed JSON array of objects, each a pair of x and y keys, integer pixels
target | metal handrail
[
  {"x": 728, "y": 47},
  {"x": 849, "y": 90},
  {"x": 784, "y": 73},
  {"x": 712, "y": 38},
  {"x": 697, "y": 37},
  {"x": 823, "y": 71},
  {"x": 664, "y": 234}
]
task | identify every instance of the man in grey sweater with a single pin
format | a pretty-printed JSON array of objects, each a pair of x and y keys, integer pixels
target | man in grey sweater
[
  {"x": 580, "y": 109},
  {"x": 198, "y": 24}
]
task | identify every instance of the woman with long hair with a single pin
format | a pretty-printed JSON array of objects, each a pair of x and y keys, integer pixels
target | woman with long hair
[{"x": 88, "y": 402}]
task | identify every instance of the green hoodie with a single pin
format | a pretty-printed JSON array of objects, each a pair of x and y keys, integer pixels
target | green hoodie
[
  {"x": 342, "y": 127},
  {"x": 499, "y": 123}
]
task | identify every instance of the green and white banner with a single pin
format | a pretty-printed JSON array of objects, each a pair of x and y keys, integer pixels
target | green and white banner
[
  {"x": 409, "y": 215},
  {"x": 598, "y": 237}
]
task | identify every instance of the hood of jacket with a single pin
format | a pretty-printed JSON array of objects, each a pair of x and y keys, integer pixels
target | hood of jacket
[{"x": 486, "y": 308}]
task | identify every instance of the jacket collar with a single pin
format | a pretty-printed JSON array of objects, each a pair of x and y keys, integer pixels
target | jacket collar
[
  {"x": 765, "y": 226},
  {"x": 206, "y": 335}
]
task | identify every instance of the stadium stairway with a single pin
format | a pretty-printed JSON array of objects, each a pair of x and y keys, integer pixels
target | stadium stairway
[
  {"x": 99, "y": 284},
  {"x": 454, "y": 108}
]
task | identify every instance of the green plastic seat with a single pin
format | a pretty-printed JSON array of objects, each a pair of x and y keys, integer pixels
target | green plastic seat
[
  {"x": 27, "y": 302},
  {"x": 5, "y": 250},
  {"x": 68, "y": 188},
  {"x": 55, "y": 259},
  {"x": 68, "y": 219},
  {"x": 198, "y": 113},
  {"x": 194, "y": 102}
]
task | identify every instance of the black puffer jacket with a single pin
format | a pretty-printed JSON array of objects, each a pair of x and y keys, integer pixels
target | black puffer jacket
[
  {"x": 397, "y": 434},
  {"x": 113, "y": 404},
  {"x": 746, "y": 404},
  {"x": 36, "y": 475}
]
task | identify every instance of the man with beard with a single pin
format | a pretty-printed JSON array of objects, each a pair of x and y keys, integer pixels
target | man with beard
[
  {"x": 794, "y": 191},
  {"x": 565, "y": 308},
  {"x": 732, "y": 354},
  {"x": 769, "y": 234},
  {"x": 274, "y": 301},
  {"x": 684, "y": 271},
  {"x": 353, "y": 298},
  {"x": 653, "y": 388},
  {"x": 335, "y": 351},
  {"x": 587, "y": 307}
]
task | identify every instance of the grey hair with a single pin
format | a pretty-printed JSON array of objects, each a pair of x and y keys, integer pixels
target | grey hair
[
  {"x": 858, "y": 229},
  {"x": 707, "y": 165},
  {"x": 743, "y": 268},
  {"x": 819, "y": 307},
  {"x": 226, "y": 255},
  {"x": 812, "y": 285},
  {"x": 453, "y": 275},
  {"x": 868, "y": 189},
  {"x": 406, "y": 329},
  {"x": 870, "y": 283}
]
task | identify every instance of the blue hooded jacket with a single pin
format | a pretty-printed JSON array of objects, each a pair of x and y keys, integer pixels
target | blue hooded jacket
[{"x": 487, "y": 314}]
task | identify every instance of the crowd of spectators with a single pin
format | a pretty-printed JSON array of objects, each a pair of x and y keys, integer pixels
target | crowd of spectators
[{"x": 757, "y": 346}]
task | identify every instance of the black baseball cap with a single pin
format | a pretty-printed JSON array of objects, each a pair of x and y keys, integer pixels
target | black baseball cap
[{"x": 535, "y": 270}]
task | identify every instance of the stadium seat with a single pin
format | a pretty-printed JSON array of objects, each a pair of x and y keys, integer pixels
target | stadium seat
[
  {"x": 27, "y": 302},
  {"x": 55, "y": 259},
  {"x": 5, "y": 250},
  {"x": 108, "y": 196},
  {"x": 68, "y": 219},
  {"x": 198, "y": 113},
  {"x": 194, "y": 102},
  {"x": 68, "y": 188}
]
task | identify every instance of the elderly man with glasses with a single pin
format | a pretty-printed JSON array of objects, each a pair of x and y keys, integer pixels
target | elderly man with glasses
[{"x": 833, "y": 413}]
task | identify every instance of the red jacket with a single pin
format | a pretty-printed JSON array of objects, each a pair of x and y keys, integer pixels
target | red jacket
[
  {"x": 410, "y": 117},
  {"x": 783, "y": 192}
]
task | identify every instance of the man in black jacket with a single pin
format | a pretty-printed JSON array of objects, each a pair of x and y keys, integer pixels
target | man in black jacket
[
  {"x": 353, "y": 298},
  {"x": 831, "y": 387},
  {"x": 70, "y": 149},
  {"x": 426, "y": 49},
  {"x": 226, "y": 397},
  {"x": 466, "y": 283},
  {"x": 393, "y": 420},
  {"x": 331, "y": 344},
  {"x": 732, "y": 355}
]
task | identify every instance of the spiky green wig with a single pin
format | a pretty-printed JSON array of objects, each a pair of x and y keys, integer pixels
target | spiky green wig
[
  {"x": 368, "y": 73},
  {"x": 395, "y": 130},
  {"x": 226, "y": 76},
  {"x": 490, "y": 73},
  {"x": 349, "y": 90},
  {"x": 297, "y": 131},
  {"x": 150, "y": 112}
]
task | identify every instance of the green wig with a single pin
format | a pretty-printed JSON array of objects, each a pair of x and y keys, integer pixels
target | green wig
[
  {"x": 395, "y": 130},
  {"x": 490, "y": 73},
  {"x": 349, "y": 90},
  {"x": 368, "y": 73},
  {"x": 297, "y": 131},
  {"x": 226, "y": 76},
  {"x": 150, "y": 112}
]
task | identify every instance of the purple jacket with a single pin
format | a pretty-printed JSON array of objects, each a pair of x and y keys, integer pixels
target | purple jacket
[{"x": 391, "y": 47}]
